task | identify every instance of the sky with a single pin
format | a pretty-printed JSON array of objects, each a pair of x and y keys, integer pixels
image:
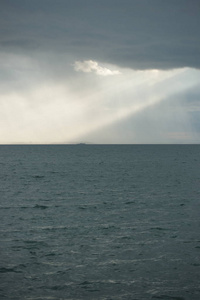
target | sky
[{"x": 105, "y": 72}]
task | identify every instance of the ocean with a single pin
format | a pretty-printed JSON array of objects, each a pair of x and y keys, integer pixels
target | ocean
[{"x": 100, "y": 222}]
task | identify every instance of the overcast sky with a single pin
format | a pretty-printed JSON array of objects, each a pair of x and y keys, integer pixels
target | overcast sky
[{"x": 107, "y": 71}]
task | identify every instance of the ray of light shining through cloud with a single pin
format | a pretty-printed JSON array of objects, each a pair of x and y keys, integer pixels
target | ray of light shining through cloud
[{"x": 58, "y": 112}]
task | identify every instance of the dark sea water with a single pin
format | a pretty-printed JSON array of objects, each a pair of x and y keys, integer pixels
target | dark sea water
[{"x": 100, "y": 222}]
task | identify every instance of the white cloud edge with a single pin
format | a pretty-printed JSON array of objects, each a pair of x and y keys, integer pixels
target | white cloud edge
[{"x": 91, "y": 66}]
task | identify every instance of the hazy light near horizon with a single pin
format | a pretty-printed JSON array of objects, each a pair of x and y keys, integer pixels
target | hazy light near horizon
[{"x": 51, "y": 110}]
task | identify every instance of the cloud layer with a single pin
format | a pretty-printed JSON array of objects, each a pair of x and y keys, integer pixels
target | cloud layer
[{"x": 138, "y": 34}]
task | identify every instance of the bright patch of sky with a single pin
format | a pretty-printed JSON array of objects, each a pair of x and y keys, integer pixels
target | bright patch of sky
[
  {"x": 89, "y": 66},
  {"x": 86, "y": 107}
]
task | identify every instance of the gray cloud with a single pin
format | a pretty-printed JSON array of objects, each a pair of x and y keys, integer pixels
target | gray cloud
[{"x": 138, "y": 34}]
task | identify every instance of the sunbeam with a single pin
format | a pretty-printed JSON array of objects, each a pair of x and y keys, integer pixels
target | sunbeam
[
  {"x": 135, "y": 91},
  {"x": 71, "y": 109}
]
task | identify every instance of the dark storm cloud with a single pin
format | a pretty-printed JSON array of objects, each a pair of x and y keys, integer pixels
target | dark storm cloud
[{"x": 131, "y": 33}]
